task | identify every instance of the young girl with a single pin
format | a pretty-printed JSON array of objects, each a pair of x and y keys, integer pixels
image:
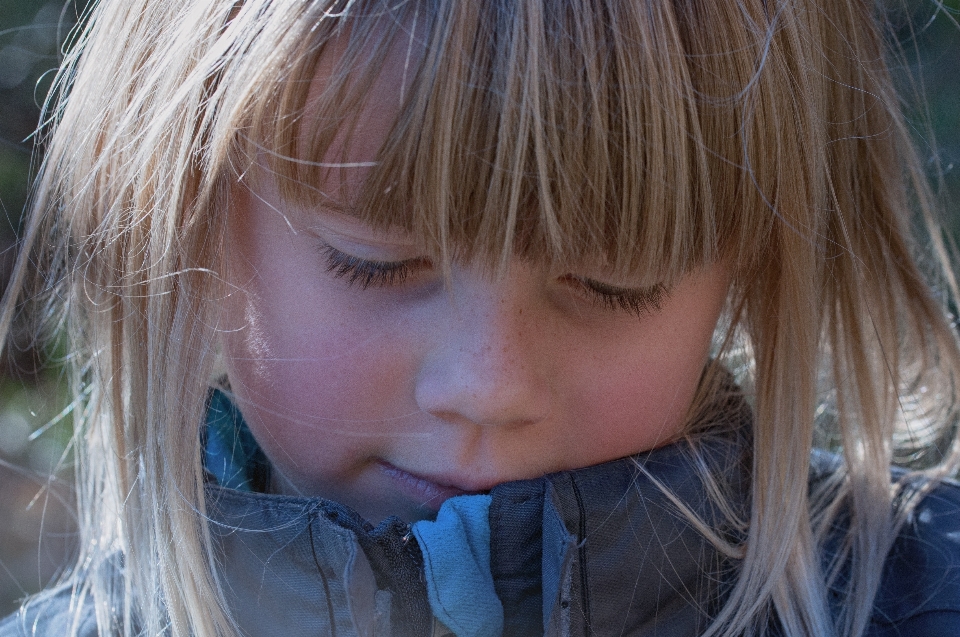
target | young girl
[{"x": 520, "y": 318}]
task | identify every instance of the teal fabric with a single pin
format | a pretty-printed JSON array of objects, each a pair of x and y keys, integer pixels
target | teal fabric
[
  {"x": 231, "y": 454},
  {"x": 456, "y": 556}
]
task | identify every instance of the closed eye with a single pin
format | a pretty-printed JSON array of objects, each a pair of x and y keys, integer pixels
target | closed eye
[
  {"x": 638, "y": 301},
  {"x": 367, "y": 273}
]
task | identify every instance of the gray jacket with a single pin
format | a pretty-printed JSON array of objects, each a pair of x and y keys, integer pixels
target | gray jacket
[{"x": 597, "y": 551}]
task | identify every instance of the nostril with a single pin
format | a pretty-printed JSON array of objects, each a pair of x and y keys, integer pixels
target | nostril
[
  {"x": 457, "y": 417},
  {"x": 449, "y": 416}
]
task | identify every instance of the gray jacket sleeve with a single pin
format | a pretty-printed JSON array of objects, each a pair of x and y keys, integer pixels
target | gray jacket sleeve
[{"x": 51, "y": 614}]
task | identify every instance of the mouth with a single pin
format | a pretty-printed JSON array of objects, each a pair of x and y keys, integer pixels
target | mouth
[{"x": 430, "y": 493}]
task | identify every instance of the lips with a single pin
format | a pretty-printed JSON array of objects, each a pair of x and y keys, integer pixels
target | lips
[{"x": 429, "y": 492}]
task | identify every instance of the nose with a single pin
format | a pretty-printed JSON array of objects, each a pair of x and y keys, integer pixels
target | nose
[{"x": 487, "y": 363}]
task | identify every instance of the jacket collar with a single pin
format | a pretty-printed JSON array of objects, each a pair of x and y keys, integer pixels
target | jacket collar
[{"x": 563, "y": 547}]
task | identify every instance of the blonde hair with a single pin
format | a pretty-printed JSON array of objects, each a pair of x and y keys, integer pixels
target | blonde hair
[{"x": 661, "y": 136}]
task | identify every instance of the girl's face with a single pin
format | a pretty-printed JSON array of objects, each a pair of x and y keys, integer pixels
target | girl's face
[{"x": 369, "y": 381}]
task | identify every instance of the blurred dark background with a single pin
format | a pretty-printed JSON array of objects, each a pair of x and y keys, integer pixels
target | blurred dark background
[{"x": 36, "y": 519}]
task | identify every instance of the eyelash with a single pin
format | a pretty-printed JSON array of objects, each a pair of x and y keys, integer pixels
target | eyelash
[
  {"x": 640, "y": 302},
  {"x": 364, "y": 273}
]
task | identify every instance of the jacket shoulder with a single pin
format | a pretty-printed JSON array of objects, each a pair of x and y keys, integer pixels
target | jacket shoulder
[
  {"x": 920, "y": 588},
  {"x": 52, "y": 613}
]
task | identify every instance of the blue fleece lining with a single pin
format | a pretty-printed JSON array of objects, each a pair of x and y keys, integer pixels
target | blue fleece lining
[
  {"x": 456, "y": 557},
  {"x": 230, "y": 452}
]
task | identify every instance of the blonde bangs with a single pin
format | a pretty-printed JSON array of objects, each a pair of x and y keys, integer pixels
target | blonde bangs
[{"x": 555, "y": 132}]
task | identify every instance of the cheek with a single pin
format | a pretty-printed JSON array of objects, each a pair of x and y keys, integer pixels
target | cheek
[
  {"x": 319, "y": 362},
  {"x": 323, "y": 404},
  {"x": 635, "y": 391},
  {"x": 640, "y": 407},
  {"x": 318, "y": 392}
]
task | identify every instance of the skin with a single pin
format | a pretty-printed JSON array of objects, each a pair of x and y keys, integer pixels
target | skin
[{"x": 394, "y": 397}]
